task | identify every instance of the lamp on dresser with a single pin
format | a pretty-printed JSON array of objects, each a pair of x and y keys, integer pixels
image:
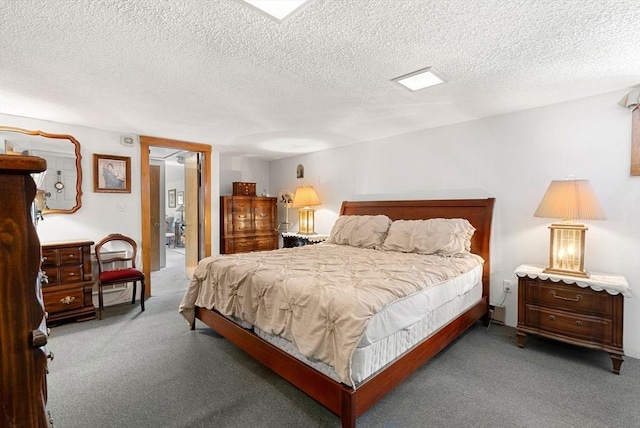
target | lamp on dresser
[
  {"x": 569, "y": 200},
  {"x": 305, "y": 198}
]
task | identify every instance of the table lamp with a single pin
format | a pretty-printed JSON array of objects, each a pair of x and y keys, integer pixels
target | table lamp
[
  {"x": 569, "y": 200},
  {"x": 304, "y": 198}
]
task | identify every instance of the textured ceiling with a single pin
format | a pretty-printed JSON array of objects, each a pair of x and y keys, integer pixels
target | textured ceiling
[{"x": 222, "y": 73}]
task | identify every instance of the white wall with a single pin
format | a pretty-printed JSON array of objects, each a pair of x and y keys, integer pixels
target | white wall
[
  {"x": 513, "y": 158},
  {"x": 244, "y": 169},
  {"x": 103, "y": 213}
]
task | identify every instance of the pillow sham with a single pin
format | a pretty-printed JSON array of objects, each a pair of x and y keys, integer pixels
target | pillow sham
[
  {"x": 447, "y": 237},
  {"x": 365, "y": 231}
]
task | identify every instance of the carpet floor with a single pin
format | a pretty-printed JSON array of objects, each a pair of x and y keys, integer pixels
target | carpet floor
[{"x": 147, "y": 369}]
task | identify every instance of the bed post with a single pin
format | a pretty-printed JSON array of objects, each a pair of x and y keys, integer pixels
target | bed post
[{"x": 348, "y": 411}]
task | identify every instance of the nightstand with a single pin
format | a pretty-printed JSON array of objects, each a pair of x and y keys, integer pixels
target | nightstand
[
  {"x": 291, "y": 240},
  {"x": 586, "y": 312}
]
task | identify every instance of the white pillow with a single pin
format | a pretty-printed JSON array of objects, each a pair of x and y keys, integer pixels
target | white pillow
[
  {"x": 365, "y": 231},
  {"x": 442, "y": 236}
]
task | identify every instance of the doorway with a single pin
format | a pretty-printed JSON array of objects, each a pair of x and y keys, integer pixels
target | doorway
[{"x": 201, "y": 180}]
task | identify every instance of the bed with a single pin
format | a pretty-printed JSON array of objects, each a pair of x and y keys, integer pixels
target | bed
[{"x": 344, "y": 379}]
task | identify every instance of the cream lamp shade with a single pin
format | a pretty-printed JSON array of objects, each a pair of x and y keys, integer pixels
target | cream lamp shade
[
  {"x": 569, "y": 200},
  {"x": 304, "y": 198}
]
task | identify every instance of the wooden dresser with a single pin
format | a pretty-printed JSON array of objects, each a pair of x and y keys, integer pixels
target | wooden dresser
[
  {"x": 581, "y": 311},
  {"x": 23, "y": 332},
  {"x": 68, "y": 290},
  {"x": 248, "y": 223}
]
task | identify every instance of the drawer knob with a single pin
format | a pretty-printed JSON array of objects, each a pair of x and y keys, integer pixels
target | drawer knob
[
  {"x": 71, "y": 256},
  {"x": 579, "y": 323},
  {"x": 38, "y": 338},
  {"x": 552, "y": 318},
  {"x": 50, "y": 355},
  {"x": 67, "y": 300},
  {"x": 569, "y": 299}
]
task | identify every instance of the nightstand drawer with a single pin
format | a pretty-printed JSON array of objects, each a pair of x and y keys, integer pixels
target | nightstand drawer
[
  {"x": 569, "y": 324},
  {"x": 64, "y": 300},
  {"x": 568, "y": 297}
]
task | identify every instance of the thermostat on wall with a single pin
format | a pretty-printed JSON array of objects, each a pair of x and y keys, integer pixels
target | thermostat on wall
[{"x": 128, "y": 140}]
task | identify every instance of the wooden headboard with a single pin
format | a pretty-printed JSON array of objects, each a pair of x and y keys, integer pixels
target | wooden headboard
[{"x": 479, "y": 212}]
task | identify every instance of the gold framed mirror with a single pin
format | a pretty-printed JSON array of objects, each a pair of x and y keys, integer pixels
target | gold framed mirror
[{"x": 61, "y": 186}]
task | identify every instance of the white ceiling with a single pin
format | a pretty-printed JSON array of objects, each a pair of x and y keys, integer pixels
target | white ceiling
[{"x": 223, "y": 73}]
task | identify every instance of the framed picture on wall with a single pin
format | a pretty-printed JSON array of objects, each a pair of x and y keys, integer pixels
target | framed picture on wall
[
  {"x": 172, "y": 198},
  {"x": 111, "y": 174},
  {"x": 180, "y": 198}
]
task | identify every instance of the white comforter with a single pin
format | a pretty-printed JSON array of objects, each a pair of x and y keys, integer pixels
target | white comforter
[{"x": 319, "y": 297}]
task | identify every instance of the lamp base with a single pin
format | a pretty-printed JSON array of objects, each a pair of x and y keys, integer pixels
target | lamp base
[
  {"x": 580, "y": 274},
  {"x": 306, "y": 221}
]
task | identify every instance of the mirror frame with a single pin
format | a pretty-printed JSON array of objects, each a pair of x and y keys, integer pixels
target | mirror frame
[{"x": 78, "y": 164}]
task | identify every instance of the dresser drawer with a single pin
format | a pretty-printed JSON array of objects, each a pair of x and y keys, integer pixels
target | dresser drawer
[
  {"x": 242, "y": 226},
  {"x": 63, "y": 300},
  {"x": 241, "y": 204},
  {"x": 262, "y": 205},
  {"x": 568, "y": 297},
  {"x": 243, "y": 245},
  {"x": 570, "y": 324},
  {"x": 265, "y": 243},
  {"x": 263, "y": 225},
  {"x": 49, "y": 257},
  {"x": 70, "y": 256},
  {"x": 52, "y": 276},
  {"x": 70, "y": 274},
  {"x": 241, "y": 216}
]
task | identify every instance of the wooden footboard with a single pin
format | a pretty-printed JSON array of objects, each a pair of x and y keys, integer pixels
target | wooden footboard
[{"x": 339, "y": 398}]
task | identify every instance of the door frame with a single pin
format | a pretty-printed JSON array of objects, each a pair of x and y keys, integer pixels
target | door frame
[{"x": 146, "y": 142}]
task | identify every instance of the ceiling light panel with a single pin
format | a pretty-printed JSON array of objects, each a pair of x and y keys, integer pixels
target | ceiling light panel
[
  {"x": 420, "y": 79},
  {"x": 278, "y": 9}
]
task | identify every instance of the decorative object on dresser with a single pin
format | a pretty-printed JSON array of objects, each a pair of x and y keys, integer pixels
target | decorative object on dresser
[
  {"x": 569, "y": 200},
  {"x": 285, "y": 199},
  {"x": 68, "y": 284},
  {"x": 248, "y": 223},
  {"x": 124, "y": 270},
  {"x": 586, "y": 312},
  {"x": 291, "y": 240},
  {"x": 305, "y": 198},
  {"x": 23, "y": 332},
  {"x": 244, "y": 189}
]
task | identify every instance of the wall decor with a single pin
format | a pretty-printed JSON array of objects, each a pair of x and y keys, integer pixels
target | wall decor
[
  {"x": 172, "y": 198},
  {"x": 111, "y": 174},
  {"x": 300, "y": 171},
  {"x": 180, "y": 198}
]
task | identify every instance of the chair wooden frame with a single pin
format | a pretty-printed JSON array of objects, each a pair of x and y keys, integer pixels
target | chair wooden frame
[{"x": 119, "y": 276}]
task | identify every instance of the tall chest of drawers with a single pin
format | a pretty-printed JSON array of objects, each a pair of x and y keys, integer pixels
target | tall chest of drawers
[
  {"x": 586, "y": 312},
  {"x": 69, "y": 283},
  {"x": 248, "y": 223}
]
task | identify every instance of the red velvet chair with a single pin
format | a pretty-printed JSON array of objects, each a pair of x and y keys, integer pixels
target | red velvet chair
[{"x": 120, "y": 275}]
